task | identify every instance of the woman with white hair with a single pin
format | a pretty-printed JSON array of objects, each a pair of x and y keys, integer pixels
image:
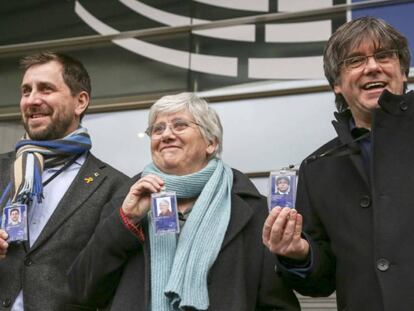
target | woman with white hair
[{"x": 216, "y": 262}]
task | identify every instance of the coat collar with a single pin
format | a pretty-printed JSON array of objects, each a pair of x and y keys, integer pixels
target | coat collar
[
  {"x": 342, "y": 127},
  {"x": 241, "y": 211},
  {"x": 79, "y": 191},
  {"x": 396, "y": 105},
  {"x": 242, "y": 186}
]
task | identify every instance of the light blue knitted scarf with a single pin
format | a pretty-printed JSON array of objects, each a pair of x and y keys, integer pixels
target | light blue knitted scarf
[{"x": 179, "y": 268}]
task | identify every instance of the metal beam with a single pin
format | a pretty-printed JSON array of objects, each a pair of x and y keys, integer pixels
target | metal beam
[
  {"x": 92, "y": 40},
  {"x": 140, "y": 102}
]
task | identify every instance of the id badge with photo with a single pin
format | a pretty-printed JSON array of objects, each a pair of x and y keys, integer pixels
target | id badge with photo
[
  {"x": 14, "y": 222},
  {"x": 164, "y": 212},
  {"x": 282, "y": 188}
]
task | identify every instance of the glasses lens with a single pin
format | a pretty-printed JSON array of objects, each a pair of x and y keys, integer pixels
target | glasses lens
[
  {"x": 385, "y": 56},
  {"x": 180, "y": 125},
  {"x": 177, "y": 126},
  {"x": 158, "y": 129},
  {"x": 355, "y": 62}
]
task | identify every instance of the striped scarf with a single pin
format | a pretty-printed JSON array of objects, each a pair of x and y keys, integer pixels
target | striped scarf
[
  {"x": 179, "y": 269},
  {"x": 32, "y": 156}
]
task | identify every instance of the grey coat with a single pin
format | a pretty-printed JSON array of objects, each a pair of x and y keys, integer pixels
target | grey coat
[{"x": 41, "y": 270}]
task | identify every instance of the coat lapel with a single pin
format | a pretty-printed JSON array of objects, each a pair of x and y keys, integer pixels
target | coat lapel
[
  {"x": 241, "y": 212},
  {"x": 342, "y": 128},
  {"x": 83, "y": 186}
]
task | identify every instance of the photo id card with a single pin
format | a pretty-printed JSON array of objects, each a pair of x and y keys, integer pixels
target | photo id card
[
  {"x": 14, "y": 222},
  {"x": 164, "y": 212},
  {"x": 282, "y": 188}
]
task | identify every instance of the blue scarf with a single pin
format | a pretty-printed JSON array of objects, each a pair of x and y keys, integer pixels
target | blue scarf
[
  {"x": 179, "y": 267},
  {"x": 32, "y": 156}
]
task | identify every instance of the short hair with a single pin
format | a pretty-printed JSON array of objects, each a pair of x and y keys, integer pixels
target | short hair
[
  {"x": 74, "y": 73},
  {"x": 280, "y": 178},
  {"x": 203, "y": 114},
  {"x": 164, "y": 201},
  {"x": 351, "y": 35},
  {"x": 14, "y": 210}
]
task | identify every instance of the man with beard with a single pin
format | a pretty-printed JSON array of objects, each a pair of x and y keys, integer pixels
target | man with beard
[
  {"x": 14, "y": 217},
  {"x": 63, "y": 185},
  {"x": 355, "y": 192}
]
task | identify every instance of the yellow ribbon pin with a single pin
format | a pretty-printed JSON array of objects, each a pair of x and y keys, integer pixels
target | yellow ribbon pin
[{"x": 88, "y": 180}]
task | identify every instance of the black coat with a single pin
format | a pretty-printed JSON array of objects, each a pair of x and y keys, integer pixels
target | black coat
[
  {"x": 113, "y": 271},
  {"x": 361, "y": 226}
]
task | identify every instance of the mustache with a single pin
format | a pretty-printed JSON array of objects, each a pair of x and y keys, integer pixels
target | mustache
[{"x": 37, "y": 110}]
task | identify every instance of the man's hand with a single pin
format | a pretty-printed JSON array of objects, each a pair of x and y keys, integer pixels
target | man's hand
[
  {"x": 282, "y": 234},
  {"x": 3, "y": 244},
  {"x": 138, "y": 200}
]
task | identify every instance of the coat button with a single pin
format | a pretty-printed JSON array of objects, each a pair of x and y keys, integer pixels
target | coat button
[
  {"x": 6, "y": 303},
  {"x": 28, "y": 262},
  {"x": 277, "y": 270},
  {"x": 403, "y": 106},
  {"x": 365, "y": 201},
  {"x": 383, "y": 264}
]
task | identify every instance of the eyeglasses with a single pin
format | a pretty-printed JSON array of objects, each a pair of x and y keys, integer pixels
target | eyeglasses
[
  {"x": 177, "y": 126},
  {"x": 382, "y": 57}
]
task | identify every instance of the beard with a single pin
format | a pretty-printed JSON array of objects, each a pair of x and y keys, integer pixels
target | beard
[{"x": 56, "y": 129}]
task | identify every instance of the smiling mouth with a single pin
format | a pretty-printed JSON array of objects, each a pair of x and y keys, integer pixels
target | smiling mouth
[
  {"x": 37, "y": 116},
  {"x": 168, "y": 147},
  {"x": 374, "y": 85},
  {"x": 33, "y": 113}
]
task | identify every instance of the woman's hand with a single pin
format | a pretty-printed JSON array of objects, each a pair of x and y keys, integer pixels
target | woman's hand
[{"x": 138, "y": 200}]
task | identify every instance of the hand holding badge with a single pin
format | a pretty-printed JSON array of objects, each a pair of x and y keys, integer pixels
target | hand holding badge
[
  {"x": 164, "y": 212},
  {"x": 14, "y": 222},
  {"x": 282, "y": 188}
]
